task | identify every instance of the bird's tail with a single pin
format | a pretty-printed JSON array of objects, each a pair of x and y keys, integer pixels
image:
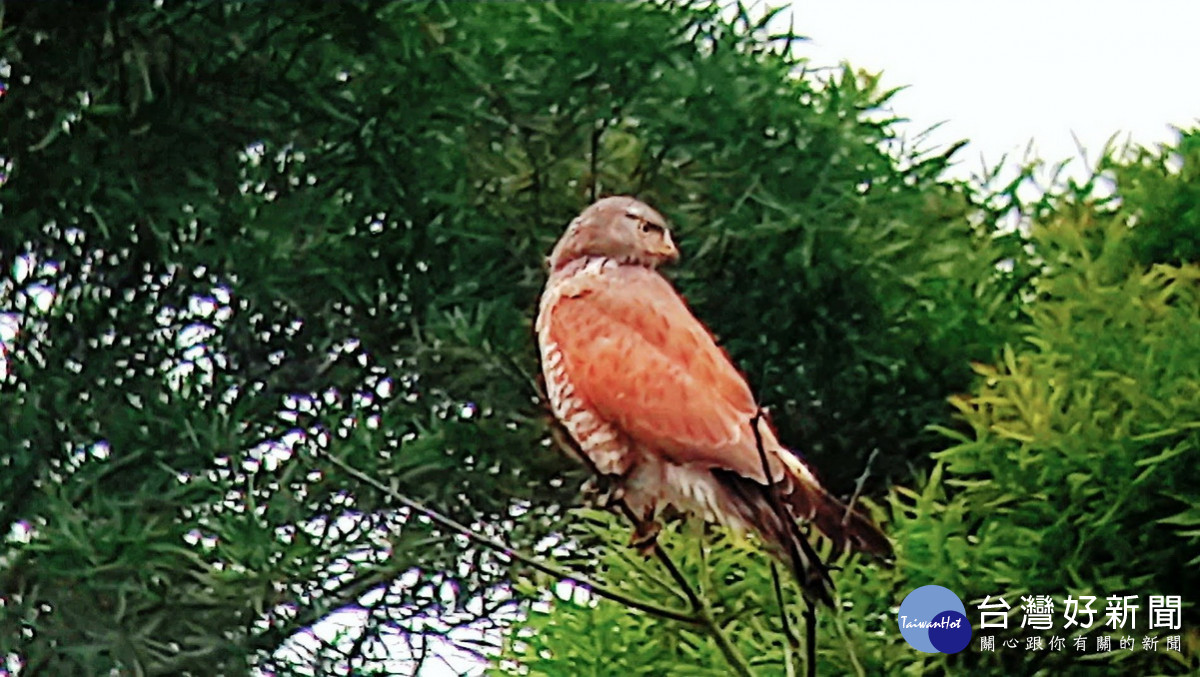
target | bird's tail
[
  {"x": 808, "y": 500},
  {"x": 774, "y": 511},
  {"x": 771, "y": 518}
]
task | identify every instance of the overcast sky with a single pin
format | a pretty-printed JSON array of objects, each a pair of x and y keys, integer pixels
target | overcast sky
[{"x": 1003, "y": 73}]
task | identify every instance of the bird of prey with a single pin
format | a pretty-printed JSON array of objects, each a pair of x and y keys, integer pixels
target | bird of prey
[{"x": 650, "y": 398}]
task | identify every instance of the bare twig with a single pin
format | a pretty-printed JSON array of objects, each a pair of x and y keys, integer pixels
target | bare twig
[
  {"x": 850, "y": 652},
  {"x": 422, "y": 657},
  {"x": 512, "y": 553},
  {"x": 356, "y": 649},
  {"x": 858, "y": 486},
  {"x": 633, "y": 559},
  {"x": 792, "y": 641},
  {"x": 810, "y": 637},
  {"x": 700, "y": 606},
  {"x": 785, "y": 519}
]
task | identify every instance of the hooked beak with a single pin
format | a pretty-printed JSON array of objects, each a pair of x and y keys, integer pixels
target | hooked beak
[{"x": 668, "y": 251}]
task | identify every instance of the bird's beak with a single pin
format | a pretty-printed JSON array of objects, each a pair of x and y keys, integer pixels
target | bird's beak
[{"x": 668, "y": 251}]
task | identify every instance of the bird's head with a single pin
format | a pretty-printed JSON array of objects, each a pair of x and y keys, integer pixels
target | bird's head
[{"x": 619, "y": 227}]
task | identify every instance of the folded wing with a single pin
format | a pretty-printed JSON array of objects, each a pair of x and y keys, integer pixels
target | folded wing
[{"x": 635, "y": 352}]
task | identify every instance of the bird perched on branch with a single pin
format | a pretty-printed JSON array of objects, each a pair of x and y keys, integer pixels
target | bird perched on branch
[{"x": 643, "y": 389}]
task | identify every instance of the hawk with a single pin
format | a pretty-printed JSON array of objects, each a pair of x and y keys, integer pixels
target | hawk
[{"x": 649, "y": 397}]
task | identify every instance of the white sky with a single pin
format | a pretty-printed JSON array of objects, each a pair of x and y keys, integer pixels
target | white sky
[{"x": 1003, "y": 73}]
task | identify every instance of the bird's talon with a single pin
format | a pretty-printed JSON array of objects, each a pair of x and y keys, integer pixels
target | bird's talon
[
  {"x": 615, "y": 496},
  {"x": 645, "y": 537}
]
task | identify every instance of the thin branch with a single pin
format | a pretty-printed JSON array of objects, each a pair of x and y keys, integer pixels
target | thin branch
[
  {"x": 360, "y": 642},
  {"x": 700, "y": 606},
  {"x": 572, "y": 449},
  {"x": 793, "y": 642},
  {"x": 422, "y": 657},
  {"x": 786, "y": 522},
  {"x": 664, "y": 558},
  {"x": 732, "y": 655},
  {"x": 783, "y": 516},
  {"x": 850, "y": 652},
  {"x": 512, "y": 553},
  {"x": 858, "y": 486},
  {"x": 781, "y": 513},
  {"x": 640, "y": 564},
  {"x": 810, "y": 637}
]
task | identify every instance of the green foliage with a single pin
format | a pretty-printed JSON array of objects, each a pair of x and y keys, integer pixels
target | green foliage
[
  {"x": 576, "y": 633},
  {"x": 847, "y": 265},
  {"x": 1075, "y": 474},
  {"x": 1162, "y": 199},
  {"x": 242, "y": 237},
  {"x": 234, "y": 237},
  {"x": 1080, "y": 465}
]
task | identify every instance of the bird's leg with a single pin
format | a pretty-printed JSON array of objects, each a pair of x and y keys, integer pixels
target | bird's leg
[
  {"x": 591, "y": 492},
  {"x": 602, "y": 491},
  {"x": 609, "y": 492},
  {"x": 615, "y": 495},
  {"x": 645, "y": 533}
]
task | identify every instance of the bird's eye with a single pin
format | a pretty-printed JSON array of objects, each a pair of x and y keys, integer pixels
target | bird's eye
[{"x": 644, "y": 225}]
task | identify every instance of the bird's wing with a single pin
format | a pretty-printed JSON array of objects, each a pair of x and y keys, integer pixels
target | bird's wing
[{"x": 634, "y": 351}]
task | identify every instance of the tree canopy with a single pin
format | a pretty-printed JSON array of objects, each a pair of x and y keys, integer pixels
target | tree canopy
[{"x": 271, "y": 274}]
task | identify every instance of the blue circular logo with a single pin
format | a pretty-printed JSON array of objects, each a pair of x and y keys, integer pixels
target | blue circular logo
[{"x": 933, "y": 619}]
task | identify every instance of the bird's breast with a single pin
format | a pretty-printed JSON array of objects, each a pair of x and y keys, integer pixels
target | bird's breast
[{"x": 597, "y": 438}]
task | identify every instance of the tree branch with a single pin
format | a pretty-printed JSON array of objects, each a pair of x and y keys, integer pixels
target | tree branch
[
  {"x": 700, "y": 606},
  {"x": 793, "y": 642},
  {"x": 787, "y": 521},
  {"x": 858, "y": 485},
  {"x": 512, "y": 553}
]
